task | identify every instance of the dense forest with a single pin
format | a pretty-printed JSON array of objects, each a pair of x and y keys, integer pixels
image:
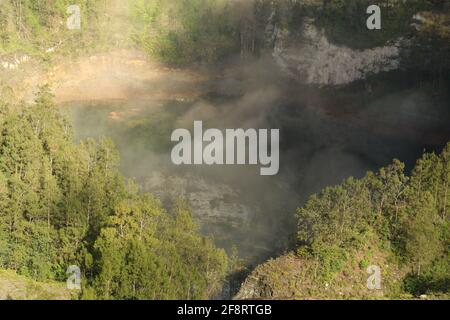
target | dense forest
[
  {"x": 406, "y": 216},
  {"x": 34, "y": 26},
  {"x": 66, "y": 204},
  {"x": 208, "y": 30},
  {"x": 389, "y": 220}
]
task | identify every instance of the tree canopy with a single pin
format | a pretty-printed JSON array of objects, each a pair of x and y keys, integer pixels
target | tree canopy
[
  {"x": 64, "y": 203},
  {"x": 405, "y": 216}
]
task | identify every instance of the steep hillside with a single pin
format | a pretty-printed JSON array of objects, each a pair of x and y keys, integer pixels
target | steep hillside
[
  {"x": 390, "y": 222},
  {"x": 65, "y": 203},
  {"x": 16, "y": 287}
]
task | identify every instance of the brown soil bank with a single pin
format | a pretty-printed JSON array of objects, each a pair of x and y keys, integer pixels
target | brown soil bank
[
  {"x": 123, "y": 75},
  {"x": 120, "y": 74}
]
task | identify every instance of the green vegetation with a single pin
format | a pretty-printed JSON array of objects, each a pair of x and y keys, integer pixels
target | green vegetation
[
  {"x": 173, "y": 31},
  {"x": 66, "y": 204},
  {"x": 342, "y": 18},
  {"x": 424, "y": 40},
  {"x": 16, "y": 287},
  {"x": 33, "y": 26},
  {"x": 39, "y": 28},
  {"x": 397, "y": 222},
  {"x": 408, "y": 217},
  {"x": 185, "y": 31},
  {"x": 207, "y": 31}
]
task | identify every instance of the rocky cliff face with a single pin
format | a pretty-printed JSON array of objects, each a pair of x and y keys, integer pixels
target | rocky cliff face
[
  {"x": 317, "y": 61},
  {"x": 218, "y": 209},
  {"x": 213, "y": 204}
]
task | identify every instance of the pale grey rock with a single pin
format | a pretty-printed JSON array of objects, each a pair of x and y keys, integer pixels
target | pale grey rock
[
  {"x": 317, "y": 61},
  {"x": 212, "y": 203}
]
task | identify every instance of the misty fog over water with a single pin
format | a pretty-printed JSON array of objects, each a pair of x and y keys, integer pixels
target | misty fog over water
[{"x": 326, "y": 135}]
